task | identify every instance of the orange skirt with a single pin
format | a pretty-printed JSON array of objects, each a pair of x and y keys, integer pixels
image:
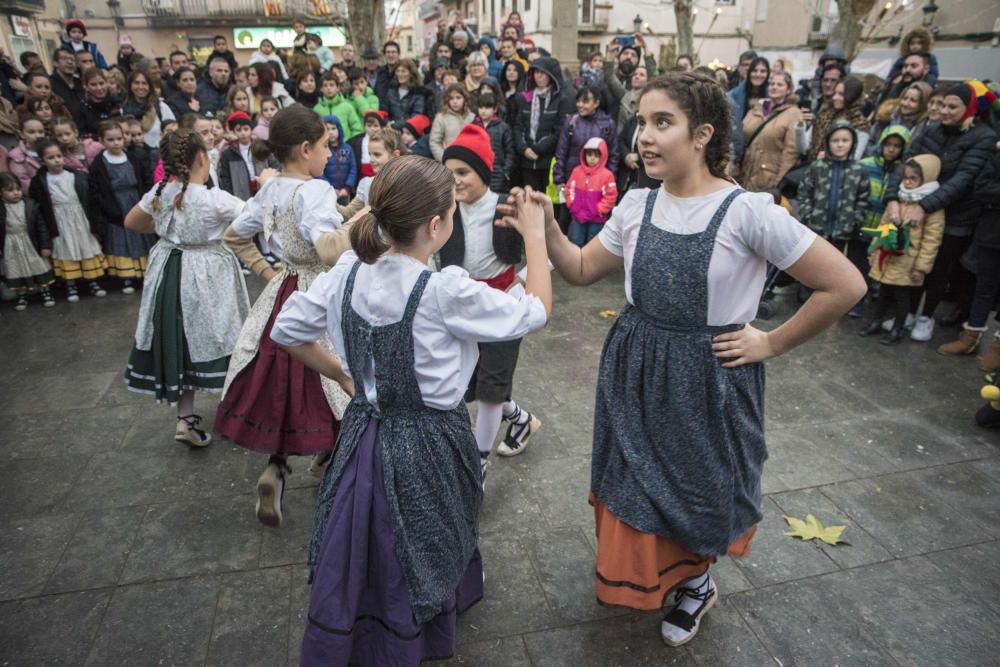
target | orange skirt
[{"x": 636, "y": 569}]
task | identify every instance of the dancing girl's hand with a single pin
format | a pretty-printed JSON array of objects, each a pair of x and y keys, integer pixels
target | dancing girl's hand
[
  {"x": 746, "y": 346},
  {"x": 511, "y": 209},
  {"x": 347, "y": 384}
]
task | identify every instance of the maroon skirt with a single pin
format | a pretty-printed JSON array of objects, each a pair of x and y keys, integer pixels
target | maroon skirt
[{"x": 276, "y": 404}]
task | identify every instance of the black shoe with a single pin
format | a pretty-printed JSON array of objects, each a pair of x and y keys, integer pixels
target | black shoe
[
  {"x": 894, "y": 337},
  {"x": 873, "y": 328}
]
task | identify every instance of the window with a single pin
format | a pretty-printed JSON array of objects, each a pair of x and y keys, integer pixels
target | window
[
  {"x": 725, "y": 2},
  {"x": 527, "y": 5},
  {"x": 761, "y": 10},
  {"x": 409, "y": 43}
]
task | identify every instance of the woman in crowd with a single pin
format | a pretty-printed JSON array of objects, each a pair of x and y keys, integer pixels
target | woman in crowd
[{"x": 769, "y": 130}]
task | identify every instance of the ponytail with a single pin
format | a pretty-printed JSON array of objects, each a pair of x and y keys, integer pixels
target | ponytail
[{"x": 366, "y": 238}]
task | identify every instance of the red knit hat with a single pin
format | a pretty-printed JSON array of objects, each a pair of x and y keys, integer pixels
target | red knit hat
[
  {"x": 382, "y": 116},
  {"x": 472, "y": 146},
  {"x": 417, "y": 125},
  {"x": 75, "y": 23},
  {"x": 238, "y": 118}
]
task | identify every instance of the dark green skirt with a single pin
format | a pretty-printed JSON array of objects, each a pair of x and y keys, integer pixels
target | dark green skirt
[{"x": 166, "y": 369}]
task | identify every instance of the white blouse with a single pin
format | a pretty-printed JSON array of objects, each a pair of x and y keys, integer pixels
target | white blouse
[
  {"x": 754, "y": 231},
  {"x": 455, "y": 313},
  {"x": 315, "y": 208},
  {"x": 364, "y": 187},
  {"x": 214, "y": 209}
]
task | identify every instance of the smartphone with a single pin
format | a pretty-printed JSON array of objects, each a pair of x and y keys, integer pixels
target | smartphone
[{"x": 625, "y": 40}]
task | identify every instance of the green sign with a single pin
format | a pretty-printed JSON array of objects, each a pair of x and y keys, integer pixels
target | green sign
[{"x": 283, "y": 36}]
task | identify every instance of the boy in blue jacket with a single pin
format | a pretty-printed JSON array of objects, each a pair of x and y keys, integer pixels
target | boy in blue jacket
[{"x": 341, "y": 168}]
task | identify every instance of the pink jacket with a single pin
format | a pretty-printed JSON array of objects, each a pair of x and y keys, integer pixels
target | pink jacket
[
  {"x": 91, "y": 149},
  {"x": 591, "y": 192},
  {"x": 261, "y": 130},
  {"x": 22, "y": 165}
]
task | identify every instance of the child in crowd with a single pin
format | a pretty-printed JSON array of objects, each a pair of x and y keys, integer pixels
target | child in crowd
[
  {"x": 833, "y": 197},
  {"x": 374, "y": 121},
  {"x": 414, "y": 132},
  {"x": 394, "y": 554},
  {"x": 196, "y": 299},
  {"x": 489, "y": 254},
  {"x": 40, "y": 108},
  {"x": 268, "y": 107},
  {"x": 237, "y": 100},
  {"x": 450, "y": 119},
  {"x": 219, "y": 140},
  {"x": 99, "y": 104},
  {"x": 591, "y": 192},
  {"x": 341, "y": 169},
  {"x": 25, "y": 245},
  {"x": 23, "y": 160},
  {"x": 898, "y": 274},
  {"x": 117, "y": 183},
  {"x": 384, "y": 145},
  {"x": 334, "y": 104},
  {"x": 271, "y": 403},
  {"x": 501, "y": 141},
  {"x": 243, "y": 160},
  {"x": 136, "y": 148},
  {"x": 362, "y": 96},
  {"x": 588, "y": 121},
  {"x": 888, "y": 151},
  {"x": 62, "y": 198}
]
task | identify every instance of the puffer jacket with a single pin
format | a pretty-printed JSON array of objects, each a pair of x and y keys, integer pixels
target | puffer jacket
[
  {"x": 364, "y": 103},
  {"x": 445, "y": 129},
  {"x": 341, "y": 167},
  {"x": 987, "y": 193},
  {"x": 964, "y": 150},
  {"x": 879, "y": 171},
  {"x": 816, "y": 190},
  {"x": 575, "y": 133},
  {"x": 773, "y": 152},
  {"x": 560, "y": 105},
  {"x": 339, "y": 106},
  {"x": 925, "y": 238},
  {"x": 403, "y": 108},
  {"x": 591, "y": 192},
  {"x": 23, "y": 163}
]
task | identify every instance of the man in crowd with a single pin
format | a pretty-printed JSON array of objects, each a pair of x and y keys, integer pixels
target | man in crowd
[
  {"x": 370, "y": 59},
  {"x": 347, "y": 56},
  {"x": 221, "y": 50},
  {"x": 66, "y": 84},
  {"x": 84, "y": 61},
  {"x": 213, "y": 90},
  {"x": 508, "y": 52},
  {"x": 386, "y": 73},
  {"x": 812, "y": 89},
  {"x": 740, "y": 73},
  {"x": 916, "y": 67}
]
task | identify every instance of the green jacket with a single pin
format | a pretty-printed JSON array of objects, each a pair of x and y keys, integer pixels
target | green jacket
[
  {"x": 842, "y": 222},
  {"x": 365, "y": 103},
  {"x": 342, "y": 108}
]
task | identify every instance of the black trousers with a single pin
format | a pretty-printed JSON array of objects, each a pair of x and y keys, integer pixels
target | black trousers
[
  {"x": 898, "y": 299},
  {"x": 987, "y": 288},
  {"x": 949, "y": 272},
  {"x": 538, "y": 179}
]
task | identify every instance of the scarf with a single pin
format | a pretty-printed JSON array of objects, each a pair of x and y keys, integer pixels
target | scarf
[
  {"x": 537, "y": 107},
  {"x": 917, "y": 193}
]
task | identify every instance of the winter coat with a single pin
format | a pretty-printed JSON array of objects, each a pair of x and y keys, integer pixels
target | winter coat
[
  {"x": 103, "y": 205},
  {"x": 987, "y": 193},
  {"x": 212, "y": 100},
  {"x": 340, "y": 107},
  {"x": 39, "y": 192},
  {"x": 560, "y": 105},
  {"x": 445, "y": 129},
  {"x": 99, "y": 60},
  {"x": 341, "y": 167},
  {"x": 493, "y": 65},
  {"x": 365, "y": 103},
  {"x": 591, "y": 192},
  {"x": 38, "y": 231},
  {"x": 816, "y": 190},
  {"x": 94, "y": 113},
  {"x": 234, "y": 177},
  {"x": 72, "y": 97},
  {"x": 964, "y": 151},
  {"x": 402, "y": 108},
  {"x": 575, "y": 132},
  {"x": 879, "y": 172},
  {"x": 772, "y": 153},
  {"x": 502, "y": 143},
  {"x": 624, "y": 102},
  {"x": 925, "y": 238},
  {"x": 821, "y": 124},
  {"x": 180, "y": 104},
  {"x": 384, "y": 79},
  {"x": 23, "y": 165},
  {"x": 421, "y": 147}
]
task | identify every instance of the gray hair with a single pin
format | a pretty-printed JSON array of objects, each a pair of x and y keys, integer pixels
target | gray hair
[{"x": 476, "y": 58}]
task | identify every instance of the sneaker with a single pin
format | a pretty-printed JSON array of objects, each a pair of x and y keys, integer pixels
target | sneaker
[
  {"x": 678, "y": 626},
  {"x": 518, "y": 434},
  {"x": 923, "y": 330},
  {"x": 270, "y": 492},
  {"x": 911, "y": 320},
  {"x": 22, "y": 303},
  {"x": 129, "y": 288},
  {"x": 188, "y": 433},
  {"x": 72, "y": 295},
  {"x": 47, "y": 299},
  {"x": 97, "y": 290}
]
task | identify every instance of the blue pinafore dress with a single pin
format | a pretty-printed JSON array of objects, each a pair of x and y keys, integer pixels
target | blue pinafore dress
[
  {"x": 394, "y": 553},
  {"x": 678, "y": 439}
]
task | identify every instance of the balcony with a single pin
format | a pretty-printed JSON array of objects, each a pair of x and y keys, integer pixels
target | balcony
[
  {"x": 191, "y": 12},
  {"x": 594, "y": 17}
]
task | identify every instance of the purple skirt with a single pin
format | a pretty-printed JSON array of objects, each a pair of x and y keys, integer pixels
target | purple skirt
[{"x": 359, "y": 608}]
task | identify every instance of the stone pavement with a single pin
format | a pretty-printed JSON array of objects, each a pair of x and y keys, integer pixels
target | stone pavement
[{"x": 118, "y": 547}]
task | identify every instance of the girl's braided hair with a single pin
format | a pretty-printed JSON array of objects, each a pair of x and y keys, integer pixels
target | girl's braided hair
[
  {"x": 704, "y": 102},
  {"x": 178, "y": 149}
]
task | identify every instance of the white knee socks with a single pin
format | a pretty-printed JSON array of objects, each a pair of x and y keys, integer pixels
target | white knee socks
[
  {"x": 185, "y": 406},
  {"x": 488, "y": 425}
]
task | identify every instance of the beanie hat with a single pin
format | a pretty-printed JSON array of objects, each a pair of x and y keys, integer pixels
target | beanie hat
[
  {"x": 237, "y": 118},
  {"x": 417, "y": 125},
  {"x": 125, "y": 40},
  {"x": 984, "y": 99},
  {"x": 76, "y": 23},
  {"x": 381, "y": 116},
  {"x": 472, "y": 146}
]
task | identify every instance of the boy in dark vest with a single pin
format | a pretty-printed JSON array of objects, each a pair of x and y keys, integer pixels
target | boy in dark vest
[{"x": 489, "y": 253}]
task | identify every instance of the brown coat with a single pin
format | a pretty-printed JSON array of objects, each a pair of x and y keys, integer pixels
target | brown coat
[
  {"x": 925, "y": 238},
  {"x": 772, "y": 152}
]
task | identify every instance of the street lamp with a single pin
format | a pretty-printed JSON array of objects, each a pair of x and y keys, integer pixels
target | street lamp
[
  {"x": 637, "y": 24},
  {"x": 929, "y": 10}
]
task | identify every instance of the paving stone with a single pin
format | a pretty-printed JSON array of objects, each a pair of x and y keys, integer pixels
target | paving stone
[
  {"x": 195, "y": 537},
  {"x": 96, "y": 554},
  {"x": 898, "y": 512},
  {"x": 725, "y": 639},
  {"x": 797, "y": 462},
  {"x": 298, "y": 614},
  {"x": 29, "y": 552},
  {"x": 863, "y": 548},
  {"x": 48, "y": 394},
  {"x": 251, "y": 619},
  {"x": 509, "y": 507},
  {"x": 81, "y": 432},
  {"x": 966, "y": 489},
  {"x": 289, "y": 543},
  {"x": 729, "y": 577},
  {"x": 561, "y": 487},
  {"x": 38, "y": 486},
  {"x": 51, "y": 631},
  {"x": 160, "y": 623},
  {"x": 989, "y": 467},
  {"x": 506, "y": 652}
]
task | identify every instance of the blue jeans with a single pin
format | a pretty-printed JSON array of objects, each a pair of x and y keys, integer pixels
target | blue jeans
[{"x": 581, "y": 233}]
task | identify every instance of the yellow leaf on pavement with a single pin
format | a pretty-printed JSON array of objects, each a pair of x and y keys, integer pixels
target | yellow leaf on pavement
[
  {"x": 812, "y": 529},
  {"x": 608, "y": 313}
]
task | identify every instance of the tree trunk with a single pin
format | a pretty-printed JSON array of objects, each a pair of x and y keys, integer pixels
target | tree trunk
[
  {"x": 366, "y": 19},
  {"x": 685, "y": 27},
  {"x": 847, "y": 31}
]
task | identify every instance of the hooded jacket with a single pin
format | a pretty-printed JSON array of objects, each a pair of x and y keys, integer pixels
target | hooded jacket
[
  {"x": 925, "y": 238},
  {"x": 341, "y": 107},
  {"x": 493, "y": 65},
  {"x": 556, "y": 109},
  {"x": 341, "y": 167},
  {"x": 502, "y": 143},
  {"x": 591, "y": 192},
  {"x": 575, "y": 133},
  {"x": 833, "y": 194},
  {"x": 364, "y": 103},
  {"x": 879, "y": 170}
]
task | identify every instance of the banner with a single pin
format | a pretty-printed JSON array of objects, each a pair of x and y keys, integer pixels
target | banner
[{"x": 283, "y": 36}]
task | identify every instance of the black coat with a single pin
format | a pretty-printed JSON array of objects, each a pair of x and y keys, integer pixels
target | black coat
[
  {"x": 508, "y": 245},
  {"x": 103, "y": 205},
  {"x": 212, "y": 100},
  {"x": 355, "y": 144},
  {"x": 384, "y": 79},
  {"x": 987, "y": 193},
  {"x": 38, "y": 232},
  {"x": 94, "y": 113},
  {"x": 179, "y": 104},
  {"x": 963, "y": 154},
  {"x": 502, "y": 143},
  {"x": 560, "y": 105},
  {"x": 626, "y": 178},
  {"x": 39, "y": 191},
  {"x": 400, "y": 110},
  {"x": 72, "y": 97}
]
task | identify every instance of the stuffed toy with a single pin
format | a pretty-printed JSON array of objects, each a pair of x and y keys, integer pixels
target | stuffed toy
[
  {"x": 988, "y": 416},
  {"x": 888, "y": 240}
]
